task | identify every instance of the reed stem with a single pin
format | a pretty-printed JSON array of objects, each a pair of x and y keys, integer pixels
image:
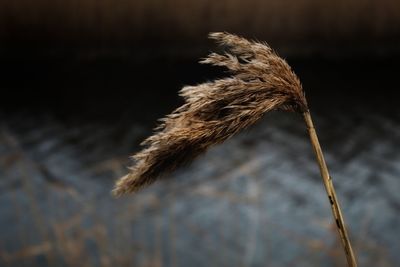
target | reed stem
[{"x": 330, "y": 190}]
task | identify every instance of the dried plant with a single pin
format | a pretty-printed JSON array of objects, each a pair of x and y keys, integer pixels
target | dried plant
[
  {"x": 260, "y": 81},
  {"x": 215, "y": 111}
]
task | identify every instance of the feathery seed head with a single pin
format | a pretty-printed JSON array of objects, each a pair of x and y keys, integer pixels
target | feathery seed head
[{"x": 214, "y": 111}]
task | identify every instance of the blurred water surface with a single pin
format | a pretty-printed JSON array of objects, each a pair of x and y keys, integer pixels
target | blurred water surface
[{"x": 256, "y": 200}]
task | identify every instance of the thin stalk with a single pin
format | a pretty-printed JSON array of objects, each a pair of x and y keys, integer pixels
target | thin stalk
[{"x": 330, "y": 190}]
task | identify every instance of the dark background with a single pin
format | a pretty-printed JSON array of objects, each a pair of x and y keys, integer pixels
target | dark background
[{"x": 82, "y": 82}]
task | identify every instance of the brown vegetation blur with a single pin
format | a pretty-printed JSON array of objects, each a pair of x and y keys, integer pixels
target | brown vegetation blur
[{"x": 296, "y": 27}]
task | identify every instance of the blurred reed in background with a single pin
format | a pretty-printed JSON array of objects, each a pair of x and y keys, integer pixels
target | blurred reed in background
[{"x": 296, "y": 27}]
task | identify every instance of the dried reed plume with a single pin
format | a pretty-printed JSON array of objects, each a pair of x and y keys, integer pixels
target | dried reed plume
[{"x": 261, "y": 81}]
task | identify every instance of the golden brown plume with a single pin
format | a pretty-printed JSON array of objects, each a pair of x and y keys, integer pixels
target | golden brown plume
[{"x": 261, "y": 81}]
